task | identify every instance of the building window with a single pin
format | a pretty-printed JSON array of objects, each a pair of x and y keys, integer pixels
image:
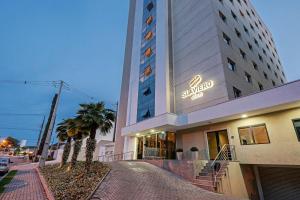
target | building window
[
  {"x": 149, "y": 35},
  {"x": 256, "y": 42},
  {"x": 296, "y": 123},
  {"x": 261, "y": 87},
  {"x": 147, "y": 114},
  {"x": 248, "y": 13},
  {"x": 257, "y": 134},
  {"x": 248, "y": 77},
  {"x": 237, "y": 93},
  {"x": 233, "y": 15},
  {"x": 147, "y": 91},
  {"x": 242, "y": 14},
  {"x": 222, "y": 16},
  {"x": 265, "y": 75},
  {"x": 149, "y": 20},
  {"x": 250, "y": 46},
  {"x": 227, "y": 40},
  {"x": 246, "y": 30},
  {"x": 148, "y": 70},
  {"x": 230, "y": 64},
  {"x": 260, "y": 58},
  {"x": 243, "y": 54},
  {"x": 148, "y": 52},
  {"x": 150, "y": 6},
  {"x": 273, "y": 83},
  {"x": 255, "y": 66},
  {"x": 238, "y": 33}
]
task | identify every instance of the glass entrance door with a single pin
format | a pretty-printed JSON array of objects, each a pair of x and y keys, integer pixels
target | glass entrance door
[
  {"x": 159, "y": 145},
  {"x": 140, "y": 148},
  {"x": 216, "y": 140}
]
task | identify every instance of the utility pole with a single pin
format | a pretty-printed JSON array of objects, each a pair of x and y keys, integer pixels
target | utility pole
[
  {"x": 38, "y": 141},
  {"x": 51, "y": 126}
]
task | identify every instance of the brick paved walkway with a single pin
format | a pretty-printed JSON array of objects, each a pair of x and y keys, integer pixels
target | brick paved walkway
[
  {"x": 26, "y": 185},
  {"x": 143, "y": 181}
]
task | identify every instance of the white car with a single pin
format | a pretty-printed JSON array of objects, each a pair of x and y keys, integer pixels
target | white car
[{"x": 4, "y": 164}]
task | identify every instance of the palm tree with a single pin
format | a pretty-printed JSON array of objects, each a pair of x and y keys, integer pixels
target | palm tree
[
  {"x": 77, "y": 133},
  {"x": 62, "y": 135},
  {"x": 94, "y": 116}
]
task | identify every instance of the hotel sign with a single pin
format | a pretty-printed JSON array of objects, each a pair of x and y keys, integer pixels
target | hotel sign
[{"x": 197, "y": 87}]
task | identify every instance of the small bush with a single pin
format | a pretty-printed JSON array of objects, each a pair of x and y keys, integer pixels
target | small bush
[
  {"x": 179, "y": 150},
  {"x": 193, "y": 149}
]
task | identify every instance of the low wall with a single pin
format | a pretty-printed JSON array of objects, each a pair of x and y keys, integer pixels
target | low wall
[{"x": 187, "y": 169}]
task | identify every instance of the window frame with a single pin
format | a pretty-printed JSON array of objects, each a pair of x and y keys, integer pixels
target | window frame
[
  {"x": 251, "y": 127},
  {"x": 297, "y": 134}
]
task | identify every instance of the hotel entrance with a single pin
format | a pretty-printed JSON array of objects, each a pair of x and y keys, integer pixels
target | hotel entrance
[
  {"x": 157, "y": 146},
  {"x": 216, "y": 140}
]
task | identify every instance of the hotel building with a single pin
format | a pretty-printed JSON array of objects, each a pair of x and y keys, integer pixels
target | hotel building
[{"x": 206, "y": 74}]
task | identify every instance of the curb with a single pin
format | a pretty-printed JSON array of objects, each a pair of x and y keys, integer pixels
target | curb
[
  {"x": 5, "y": 175},
  {"x": 48, "y": 192},
  {"x": 98, "y": 185}
]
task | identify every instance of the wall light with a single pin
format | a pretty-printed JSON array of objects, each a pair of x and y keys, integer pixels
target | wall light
[{"x": 244, "y": 116}]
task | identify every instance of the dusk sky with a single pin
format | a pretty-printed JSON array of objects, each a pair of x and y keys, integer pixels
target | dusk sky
[{"x": 82, "y": 43}]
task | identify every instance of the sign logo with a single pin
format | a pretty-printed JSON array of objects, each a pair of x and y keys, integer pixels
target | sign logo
[{"x": 197, "y": 88}]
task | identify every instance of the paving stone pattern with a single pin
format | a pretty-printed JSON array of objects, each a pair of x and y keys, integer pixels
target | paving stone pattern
[
  {"x": 26, "y": 185},
  {"x": 143, "y": 181}
]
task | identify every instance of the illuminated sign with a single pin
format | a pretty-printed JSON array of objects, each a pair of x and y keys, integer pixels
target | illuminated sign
[{"x": 197, "y": 87}]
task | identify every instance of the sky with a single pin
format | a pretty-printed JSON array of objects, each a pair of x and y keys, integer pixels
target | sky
[{"x": 83, "y": 43}]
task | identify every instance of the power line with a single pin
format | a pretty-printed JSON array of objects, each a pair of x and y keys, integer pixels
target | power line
[
  {"x": 19, "y": 129},
  {"x": 22, "y": 114}
]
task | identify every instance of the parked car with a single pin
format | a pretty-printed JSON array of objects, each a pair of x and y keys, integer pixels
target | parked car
[{"x": 4, "y": 164}]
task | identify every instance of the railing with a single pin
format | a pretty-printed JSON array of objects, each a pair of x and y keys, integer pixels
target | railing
[
  {"x": 116, "y": 157},
  {"x": 226, "y": 154},
  {"x": 154, "y": 153}
]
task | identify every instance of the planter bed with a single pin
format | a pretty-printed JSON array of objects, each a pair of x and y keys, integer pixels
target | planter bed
[{"x": 73, "y": 184}]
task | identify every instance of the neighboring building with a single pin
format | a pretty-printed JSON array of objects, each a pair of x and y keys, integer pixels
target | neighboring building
[
  {"x": 104, "y": 146},
  {"x": 206, "y": 74}
]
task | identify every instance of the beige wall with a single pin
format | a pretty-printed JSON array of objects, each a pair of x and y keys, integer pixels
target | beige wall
[
  {"x": 284, "y": 148},
  {"x": 233, "y": 183}
]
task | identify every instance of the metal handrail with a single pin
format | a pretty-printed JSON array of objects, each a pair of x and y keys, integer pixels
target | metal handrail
[
  {"x": 116, "y": 157},
  {"x": 227, "y": 153}
]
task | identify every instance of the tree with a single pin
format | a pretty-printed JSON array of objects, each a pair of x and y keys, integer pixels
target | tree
[
  {"x": 91, "y": 117},
  {"x": 78, "y": 133},
  {"x": 62, "y": 135},
  {"x": 10, "y": 142}
]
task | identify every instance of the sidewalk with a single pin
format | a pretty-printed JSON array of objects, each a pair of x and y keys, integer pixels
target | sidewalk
[{"x": 26, "y": 185}]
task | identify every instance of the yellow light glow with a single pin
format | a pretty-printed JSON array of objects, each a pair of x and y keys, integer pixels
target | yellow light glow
[{"x": 244, "y": 116}]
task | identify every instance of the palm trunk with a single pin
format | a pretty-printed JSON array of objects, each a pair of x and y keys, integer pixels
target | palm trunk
[
  {"x": 90, "y": 148},
  {"x": 77, "y": 147},
  {"x": 66, "y": 152}
]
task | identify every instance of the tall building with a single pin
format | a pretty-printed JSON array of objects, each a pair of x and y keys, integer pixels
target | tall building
[
  {"x": 182, "y": 56},
  {"x": 205, "y": 76}
]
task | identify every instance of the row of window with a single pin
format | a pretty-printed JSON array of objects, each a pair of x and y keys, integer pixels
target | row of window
[
  {"x": 263, "y": 29},
  {"x": 232, "y": 66},
  {"x": 250, "y": 46},
  {"x": 258, "y": 134},
  {"x": 146, "y": 94}
]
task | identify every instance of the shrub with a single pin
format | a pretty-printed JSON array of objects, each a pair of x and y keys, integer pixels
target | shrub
[
  {"x": 194, "y": 149},
  {"x": 179, "y": 150}
]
